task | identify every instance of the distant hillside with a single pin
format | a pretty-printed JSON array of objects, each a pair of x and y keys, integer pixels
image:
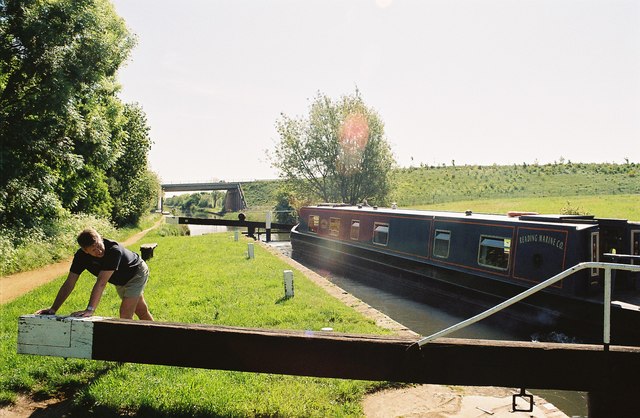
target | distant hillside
[
  {"x": 429, "y": 185},
  {"x": 261, "y": 192}
]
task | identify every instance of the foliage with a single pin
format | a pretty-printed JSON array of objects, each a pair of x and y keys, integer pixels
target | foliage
[
  {"x": 191, "y": 282},
  {"x": 285, "y": 212},
  {"x": 192, "y": 202},
  {"x": 65, "y": 133},
  {"x": 134, "y": 188},
  {"x": 339, "y": 152},
  {"x": 23, "y": 250}
]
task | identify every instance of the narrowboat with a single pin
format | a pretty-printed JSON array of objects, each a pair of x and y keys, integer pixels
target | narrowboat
[{"x": 488, "y": 257}]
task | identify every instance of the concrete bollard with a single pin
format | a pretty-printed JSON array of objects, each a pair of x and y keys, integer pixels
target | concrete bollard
[
  {"x": 236, "y": 235},
  {"x": 267, "y": 224},
  {"x": 288, "y": 283},
  {"x": 250, "y": 253}
]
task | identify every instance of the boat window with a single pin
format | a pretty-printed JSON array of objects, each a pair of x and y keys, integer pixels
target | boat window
[
  {"x": 380, "y": 233},
  {"x": 441, "y": 243},
  {"x": 314, "y": 223},
  {"x": 494, "y": 252},
  {"x": 334, "y": 227},
  {"x": 355, "y": 229}
]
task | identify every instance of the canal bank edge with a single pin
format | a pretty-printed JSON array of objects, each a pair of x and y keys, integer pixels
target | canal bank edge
[
  {"x": 423, "y": 400},
  {"x": 345, "y": 297}
]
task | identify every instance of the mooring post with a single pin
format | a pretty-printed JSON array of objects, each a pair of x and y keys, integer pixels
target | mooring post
[
  {"x": 250, "y": 253},
  {"x": 268, "y": 225},
  {"x": 288, "y": 283}
]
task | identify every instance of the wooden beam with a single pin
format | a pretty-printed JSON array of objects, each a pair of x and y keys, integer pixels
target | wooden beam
[
  {"x": 230, "y": 222},
  {"x": 328, "y": 354}
]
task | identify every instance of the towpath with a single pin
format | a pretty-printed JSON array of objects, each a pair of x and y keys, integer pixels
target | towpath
[{"x": 16, "y": 285}]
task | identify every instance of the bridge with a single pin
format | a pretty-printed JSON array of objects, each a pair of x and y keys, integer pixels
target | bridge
[{"x": 233, "y": 201}]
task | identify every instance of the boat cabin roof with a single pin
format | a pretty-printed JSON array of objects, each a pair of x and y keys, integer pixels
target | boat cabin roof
[{"x": 578, "y": 221}]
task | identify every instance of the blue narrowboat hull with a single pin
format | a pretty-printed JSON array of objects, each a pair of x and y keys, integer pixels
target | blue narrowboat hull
[{"x": 486, "y": 258}]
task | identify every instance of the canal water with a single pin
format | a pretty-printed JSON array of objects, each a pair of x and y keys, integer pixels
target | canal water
[{"x": 426, "y": 316}]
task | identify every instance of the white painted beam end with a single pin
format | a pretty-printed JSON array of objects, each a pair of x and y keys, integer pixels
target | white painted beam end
[{"x": 59, "y": 336}]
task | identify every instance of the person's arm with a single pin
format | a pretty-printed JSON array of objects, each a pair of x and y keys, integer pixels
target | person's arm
[
  {"x": 64, "y": 292},
  {"x": 96, "y": 293}
]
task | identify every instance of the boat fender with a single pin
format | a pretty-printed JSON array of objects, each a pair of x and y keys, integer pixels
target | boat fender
[{"x": 515, "y": 214}]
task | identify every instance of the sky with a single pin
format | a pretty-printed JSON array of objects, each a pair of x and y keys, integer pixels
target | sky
[{"x": 454, "y": 81}]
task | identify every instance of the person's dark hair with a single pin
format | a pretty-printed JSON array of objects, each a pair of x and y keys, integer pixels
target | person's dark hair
[{"x": 88, "y": 237}]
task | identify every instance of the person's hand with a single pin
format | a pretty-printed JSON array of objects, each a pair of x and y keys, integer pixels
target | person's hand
[
  {"x": 47, "y": 311},
  {"x": 82, "y": 314}
]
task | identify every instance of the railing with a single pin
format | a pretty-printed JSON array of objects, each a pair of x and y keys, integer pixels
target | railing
[{"x": 587, "y": 265}]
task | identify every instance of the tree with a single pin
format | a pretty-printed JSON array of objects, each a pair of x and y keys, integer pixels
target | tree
[
  {"x": 339, "y": 152},
  {"x": 62, "y": 126},
  {"x": 285, "y": 212},
  {"x": 130, "y": 183}
]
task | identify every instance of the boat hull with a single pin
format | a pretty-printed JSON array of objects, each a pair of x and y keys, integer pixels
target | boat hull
[{"x": 543, "y": 312}]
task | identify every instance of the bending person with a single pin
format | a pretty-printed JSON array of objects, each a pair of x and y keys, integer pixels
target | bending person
[{"x": 111, "y": 263}]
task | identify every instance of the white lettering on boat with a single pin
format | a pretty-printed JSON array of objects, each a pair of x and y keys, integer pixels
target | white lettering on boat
[{"x": 543, "y": 239}]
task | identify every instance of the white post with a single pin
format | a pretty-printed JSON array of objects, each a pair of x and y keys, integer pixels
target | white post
[
  {"x": 235, "y": 235},
  {"x": 268, "y": 220},
  {"x": 607, "y": 305},
  {"x": 288, "y": 283},
  {"x": 267, "y": 225},
  {"x": 250, "y": 253}
]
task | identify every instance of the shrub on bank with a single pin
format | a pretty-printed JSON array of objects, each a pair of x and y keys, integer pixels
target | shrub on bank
[{"x": 22, "y": 250}]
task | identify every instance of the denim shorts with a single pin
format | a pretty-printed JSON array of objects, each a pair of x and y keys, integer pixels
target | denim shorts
[{"x": 135, "y": 286}]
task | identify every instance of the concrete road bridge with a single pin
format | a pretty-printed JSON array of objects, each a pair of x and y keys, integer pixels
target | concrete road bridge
[{"x": 233, "y": 202}]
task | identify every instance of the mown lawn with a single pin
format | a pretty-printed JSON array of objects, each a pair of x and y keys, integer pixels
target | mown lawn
[{"x": 204, "y": 279}]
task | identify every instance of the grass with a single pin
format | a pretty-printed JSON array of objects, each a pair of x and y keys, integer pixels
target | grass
[
  {"x": 433, "y": 185},
  {"x": 204, "y": 279},
  {"x": 607, "y": 206}
]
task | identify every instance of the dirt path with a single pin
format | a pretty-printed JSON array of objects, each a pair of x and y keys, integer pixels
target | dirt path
[{"x": 16, "y": 285}]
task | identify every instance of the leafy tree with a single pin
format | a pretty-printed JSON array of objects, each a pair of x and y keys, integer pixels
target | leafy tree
[
  {"x": 339, "y": 152},
  {"x": 64, "y": 132},
  {"x": 130, "y": 183},
  {"x": 285, "y": 213}
]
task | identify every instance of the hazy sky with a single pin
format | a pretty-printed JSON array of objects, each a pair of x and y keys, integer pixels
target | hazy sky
[{"x": 474, "y": 81}]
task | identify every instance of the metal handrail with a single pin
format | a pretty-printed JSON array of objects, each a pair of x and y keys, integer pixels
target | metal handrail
[{"x": 586, "y": 265}]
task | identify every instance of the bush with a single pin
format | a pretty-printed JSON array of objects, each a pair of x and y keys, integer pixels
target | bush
[{"x": 22, "y": 250}]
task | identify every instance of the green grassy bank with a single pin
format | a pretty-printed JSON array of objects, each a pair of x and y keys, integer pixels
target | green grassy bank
[
  {"x": 607, "y": 206},
  {"x": 204, "y": 279}
]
